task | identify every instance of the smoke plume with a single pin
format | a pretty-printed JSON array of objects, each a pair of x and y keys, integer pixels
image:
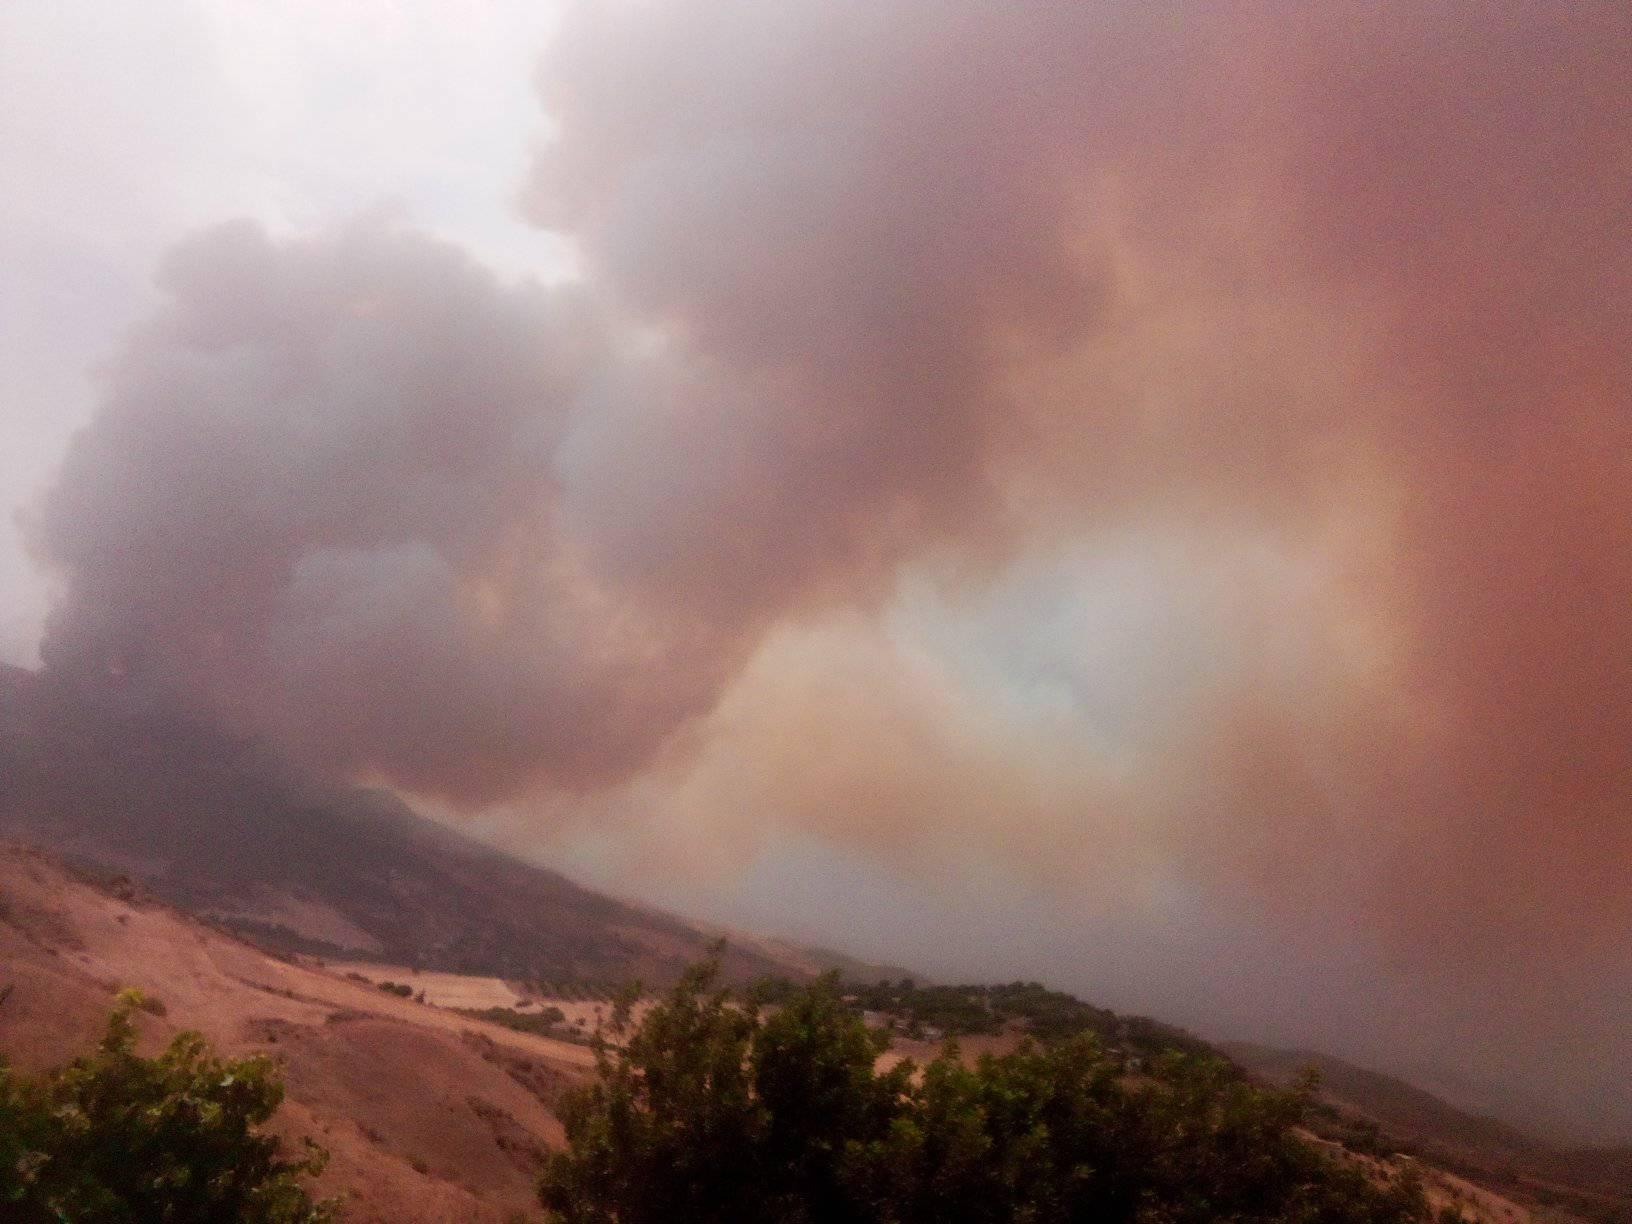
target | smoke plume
[
  {"x": 1348, "y": 281},
  {"x": 320, "y": 502}
]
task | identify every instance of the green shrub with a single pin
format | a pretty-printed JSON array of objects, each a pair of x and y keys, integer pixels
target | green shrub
[{"x": 115, "y": 1136}]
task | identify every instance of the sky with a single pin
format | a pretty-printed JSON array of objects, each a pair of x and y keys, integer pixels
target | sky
[{"x": 1136, "y": 497}]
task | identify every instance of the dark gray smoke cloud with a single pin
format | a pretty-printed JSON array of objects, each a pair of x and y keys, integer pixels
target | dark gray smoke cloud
[{"x": 322, "y": 501}]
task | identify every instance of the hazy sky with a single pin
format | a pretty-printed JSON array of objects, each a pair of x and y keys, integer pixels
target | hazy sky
[{"x": 1138, "y": 497}]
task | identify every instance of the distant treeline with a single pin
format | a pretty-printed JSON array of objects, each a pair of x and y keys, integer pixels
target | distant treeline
[
  {"x": 592, "y": 990},
  {"x": 963, "y": 1011},
  {"x": 548, "y": 1022}
]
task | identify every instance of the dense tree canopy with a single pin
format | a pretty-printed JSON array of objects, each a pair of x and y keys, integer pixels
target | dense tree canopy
[
  {"x": 117, "y": 1137},
  {"x": 713, "y": 1110}
]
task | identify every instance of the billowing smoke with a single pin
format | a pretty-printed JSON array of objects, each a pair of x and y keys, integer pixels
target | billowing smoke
[
  {"x": 1332, "y": 301},
  {"x": 321, "y": 501},
  {"x": 1350, "y": 281}
]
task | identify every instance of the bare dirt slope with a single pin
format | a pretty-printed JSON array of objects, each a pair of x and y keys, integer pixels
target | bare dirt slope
[{"x": 428, "y": 1115}]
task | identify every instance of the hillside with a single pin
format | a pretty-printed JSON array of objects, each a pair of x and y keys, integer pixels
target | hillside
[
  {"x": 153, "y": 810},
  {"x": 1403, "y": 1110},
  {"x": 219, "y": 827},
  {"x": 428, "y": 1115},
  {"x": 1369, "y": 1109}
]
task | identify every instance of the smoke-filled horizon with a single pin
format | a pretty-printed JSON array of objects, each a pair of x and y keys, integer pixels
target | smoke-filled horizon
[{"x": 1175, "y": 458}]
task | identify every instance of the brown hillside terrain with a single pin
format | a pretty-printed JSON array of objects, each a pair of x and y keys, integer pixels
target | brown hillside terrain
[{"x": 428, "y": 1115}]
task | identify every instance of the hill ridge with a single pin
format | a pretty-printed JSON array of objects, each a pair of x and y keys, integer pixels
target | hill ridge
[{"x": 114, "y": 778}]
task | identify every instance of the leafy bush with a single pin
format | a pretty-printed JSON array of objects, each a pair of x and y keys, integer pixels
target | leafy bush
[
  {"x": 114, "y": 1137},
  {"x": 710, "y": 1112}
]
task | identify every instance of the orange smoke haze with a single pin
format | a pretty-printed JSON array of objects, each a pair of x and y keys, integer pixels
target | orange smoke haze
[
  {"x": 1350, "y": 280},
  {"x": 1331, "y": 301}
]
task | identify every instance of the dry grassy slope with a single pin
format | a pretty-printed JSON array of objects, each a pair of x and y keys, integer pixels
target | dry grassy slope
[
  {"x": 429, "y": 1116},
  {"x": 220, "y": 827}
]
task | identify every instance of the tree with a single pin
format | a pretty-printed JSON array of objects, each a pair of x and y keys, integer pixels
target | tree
[
  {"x": 660, "y": 1134},
  {"x": 827, "y": 1112},
  {"x": 712, "y": 1111},
  {"x": 114, "y": 1136}
]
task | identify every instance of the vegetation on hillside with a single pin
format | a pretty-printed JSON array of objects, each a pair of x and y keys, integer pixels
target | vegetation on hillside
[
  {"x": 115, "y": 1137},
  {"x": 714, "y": 1110},
  {"x": 547, "y": 1022},
  {"x": 1047, "y": 1015}
]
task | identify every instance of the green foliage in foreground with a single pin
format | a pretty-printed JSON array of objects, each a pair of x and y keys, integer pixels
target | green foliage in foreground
[
  {"x": 114, "y": 1137},
  {"x": 713, "y": 1112}
]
